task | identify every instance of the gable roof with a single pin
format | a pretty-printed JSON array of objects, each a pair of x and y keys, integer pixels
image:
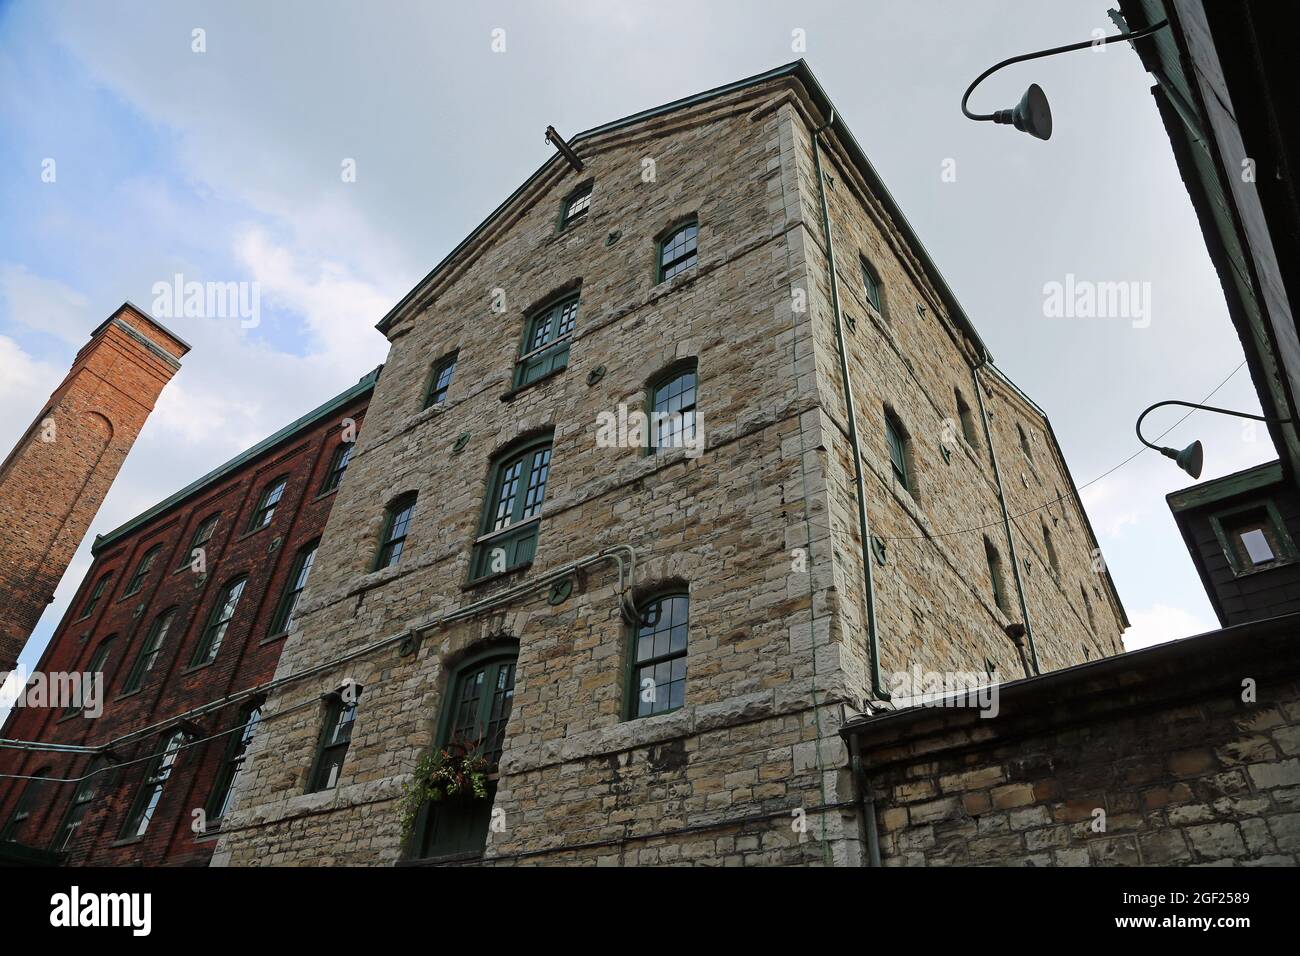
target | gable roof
[{"x": 798, "y": 70}]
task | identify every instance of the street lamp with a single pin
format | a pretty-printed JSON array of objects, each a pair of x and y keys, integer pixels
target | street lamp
[
  {"x": 1032, "y": 114},
  {"x": 1192, "y": 457}
]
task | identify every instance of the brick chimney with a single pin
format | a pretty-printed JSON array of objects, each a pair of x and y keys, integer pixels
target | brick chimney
[{"x": 56, "y": 477}]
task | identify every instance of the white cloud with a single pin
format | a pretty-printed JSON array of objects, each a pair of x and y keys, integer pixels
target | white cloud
[
  {"x": 1161, "y": 623},
  {"x": 45, "y": 305}
]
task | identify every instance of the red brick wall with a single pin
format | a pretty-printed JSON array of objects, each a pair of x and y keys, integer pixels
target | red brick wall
[
  {"x": 248, "y": 655},
  {"x": 52, "y": 483}
]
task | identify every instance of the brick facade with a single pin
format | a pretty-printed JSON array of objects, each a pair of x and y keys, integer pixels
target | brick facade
[
  {"x": 54, "y": 480},
  {"x": 302, "y": 453},
  {"x": 759, "y": 530}
]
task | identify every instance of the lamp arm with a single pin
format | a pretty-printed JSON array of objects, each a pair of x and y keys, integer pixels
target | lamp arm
[
  {"x": 1204, "y": 408},
  {"x": 1135, "y": 35}
]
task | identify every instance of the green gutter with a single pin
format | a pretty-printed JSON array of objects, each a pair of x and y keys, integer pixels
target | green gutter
[{"x": 366, "y": 384}]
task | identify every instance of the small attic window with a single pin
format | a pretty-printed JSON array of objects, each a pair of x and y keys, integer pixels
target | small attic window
[{"x": 576, "y": 205}]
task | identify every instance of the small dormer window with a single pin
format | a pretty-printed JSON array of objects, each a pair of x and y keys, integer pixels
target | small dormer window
[
  {"x": 1254, "y": 538},
  {"x": 576, "y": 206}
]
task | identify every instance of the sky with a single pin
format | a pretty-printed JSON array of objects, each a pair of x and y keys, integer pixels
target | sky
[{"x": 231, "y": 163}]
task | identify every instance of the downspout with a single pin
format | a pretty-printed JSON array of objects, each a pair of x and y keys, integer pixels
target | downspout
[
  {"x": 873, "y": 637},
  {"x": 1006, "y": 518},
  {"x": 866, "y": 802}
]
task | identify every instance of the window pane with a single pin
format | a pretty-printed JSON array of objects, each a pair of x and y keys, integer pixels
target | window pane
[{"x": 1257, "y": 546}]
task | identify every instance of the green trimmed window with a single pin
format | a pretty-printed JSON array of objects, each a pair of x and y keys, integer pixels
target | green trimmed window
[
  {"x": 33, "y": 797},
  {"x": 338, "y": 467},
  {"x": 512, "y": 509},
  {"x": 157, "y": 772},
  {"x": 336, "y": 737},
  {"x": 673, "y": 410},
  {"x": 299, "y": 572},
  {"x": 871, "y": 287},
  {"x": 149, "y": 651},
  {"x": 98, "y": 665},
  {"x": 232, "y": 764},
  {"x": 266, "y": 503},
  {"x": 576, "y": 205},
  {"x": 547, "y": 335},
  {"x": 82, "y": 797},
  {"x": 95, "y": 595},
  {"x": 679, "y": 250},
  {"x": 659, "y": 644},
  {"x": 440, "y": 380},
  {"x": 142, "y": 571},
  {"x": 896, "y": 440},
  {"x": 995, "y": 576},
  {"x": 481, "y": 694},
  {"x": 218, "y": 622},
  {"x": 202, "y": 535},
  {"x": 397, "y": 523}
]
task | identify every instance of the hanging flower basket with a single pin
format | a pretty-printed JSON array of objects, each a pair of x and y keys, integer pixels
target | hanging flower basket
[{"x": 455, "y": 772}]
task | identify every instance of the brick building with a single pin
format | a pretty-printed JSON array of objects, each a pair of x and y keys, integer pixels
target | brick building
[
  {"x": 184, "y": 612},
  {"x": 655, "y": 647},
  {"x": 54, "y": 480}
]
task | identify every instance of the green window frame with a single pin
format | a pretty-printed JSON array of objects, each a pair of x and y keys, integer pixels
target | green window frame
[
  {"x": 871, "y": 287},
  {"x": 95, "y": 595},
  {"x": 896, "y": 440},
  {"x": 337, "y": 468},
  {"x": 149, "y": 650},
  {"x": 142, "y": 571},
  {"x": 475, "y": 714},
  {"x": 223, "y": 612},
  {"x": 548, "y": 333},
  {"x": 98, "y": 665},
  {"x": 1254, "y": 537},
  {"x": 266, "y": 503},
  {"x": 660, "y": 641},
  {"x": 335, "y": 738},
  {"x": 299, "y": 572},
  {"x": 444, "y": 370},
  {"x": 31, "y": 798},
  {"x": 674, "y": 396},
  {"x": 202, "y": 535},
  {"x": 576, "y": 205},
  {"x": 397, "y": 524},
  {"x": 678, "y": 251},
  {"x": 994, "y": 561},
  {"x": 512, "y": 509},
  {"x": 82, "y": 798},
  {"x": 232, "y": 765},
  {"x": 148, "y": 796}
]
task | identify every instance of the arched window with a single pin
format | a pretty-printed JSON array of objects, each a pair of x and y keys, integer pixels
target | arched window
[
  {"x": 97, "y": 670},
  {"x": 338, "y": 466},
  {"x": 335, "y": 739},
  {"x": 995, "y": 576},
  {"x": 142, "y": 571},
  {"x": 157, "y": 771},
  {"x": 871, "y": 287},
  {"x": 91, "y": 782},
  {"x": 896, "y": 439},
  {"x": 266, "y": 503},
  {"x": 1051, "y": 550},
  {"x": 202, "y": 535},
  {"x": 672, "y": 409},
  {"x": 547, "y": 335},
  {"x": 149, "y": 650},
  {"x": 223, "y": 611},
  {"x": 397, "y": 524},
  {"x": 299, "y": 572},
  {"x": 480, "y": 695},
  {"x": 32, "y": 799},
  {"x": 678, "y": 250},
  {"x": 659, "y": 644},
  {"x": 440, "y": 380},
  {"x": 511, "y": 510},
  {"x": 967, "y": 419},
  {"x": 232, "y": 764},
  {"x": 95, "y": 595}
]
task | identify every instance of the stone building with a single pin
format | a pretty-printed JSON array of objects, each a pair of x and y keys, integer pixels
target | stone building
[
  {"x": 54, "y": 480},
  {"x": 654, "y": 642},
  {"x": 183, "y": 614}
]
